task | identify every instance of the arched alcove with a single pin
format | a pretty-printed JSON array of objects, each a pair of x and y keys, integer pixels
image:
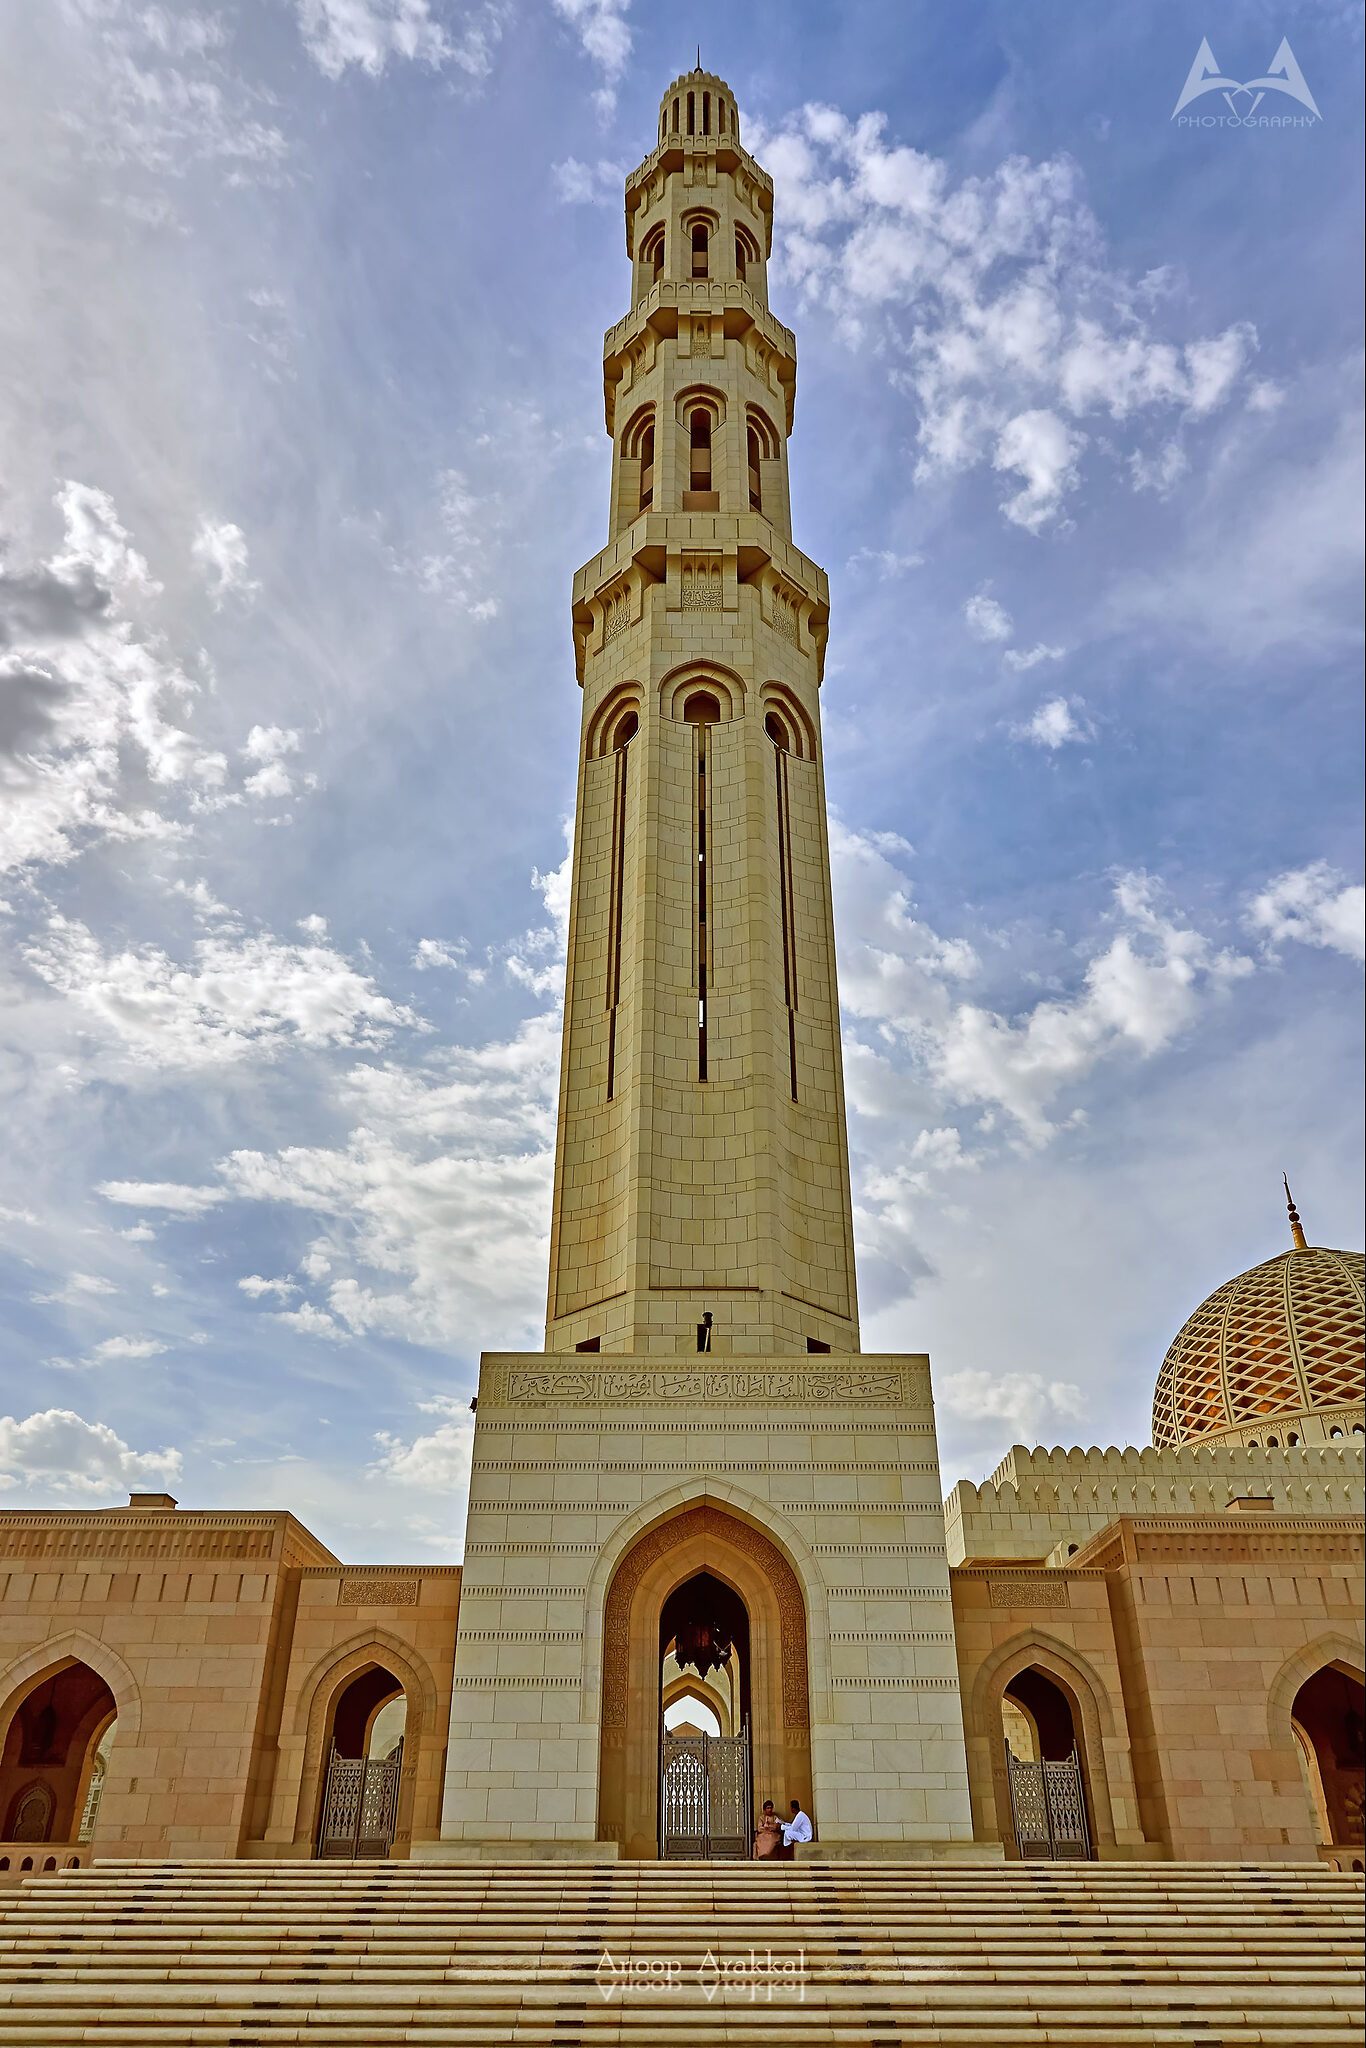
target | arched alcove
[{"x": 742, "y": 1571}]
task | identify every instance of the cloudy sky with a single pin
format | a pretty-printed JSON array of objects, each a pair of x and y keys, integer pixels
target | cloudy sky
[{"x": 301, "y": 435}]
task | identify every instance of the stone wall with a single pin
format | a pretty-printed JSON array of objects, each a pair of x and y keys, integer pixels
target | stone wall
[{"x": 1041, "y": 1503}]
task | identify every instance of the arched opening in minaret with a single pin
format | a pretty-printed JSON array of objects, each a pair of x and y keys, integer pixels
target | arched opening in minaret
[
  {"x": 746, "y": 254},
  {"x": 704, "y": 1669},
  {"x": 701, "y": 237},
  {"x": 1328, "y": 1720},
  {"x": 705, "y": 1796},
  {"x": 652, "y": 254}
]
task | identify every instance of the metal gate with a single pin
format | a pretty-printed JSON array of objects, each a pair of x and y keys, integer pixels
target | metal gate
[
  {"x": 705, "y": 1808},
  {"x": 360, "y": 1805},
  {"x": 1048, "y": 1802}
]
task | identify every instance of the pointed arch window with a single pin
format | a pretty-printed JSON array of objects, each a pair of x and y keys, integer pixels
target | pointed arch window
[
  {"x": 638, "y": 446},
  {"x": 699, "y": 449},
  {"x": 700, "y": 242},
  {"x": 747, "y": 257},
  {"x": 761, "y": 446},
  {"x": 652, "y": 254}
]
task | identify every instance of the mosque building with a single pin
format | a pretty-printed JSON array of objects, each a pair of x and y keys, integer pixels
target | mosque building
[{"x": 708, "y": 1557}]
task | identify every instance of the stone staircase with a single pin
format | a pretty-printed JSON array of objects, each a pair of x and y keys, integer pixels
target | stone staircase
[{"x": 646, "y": 1954}]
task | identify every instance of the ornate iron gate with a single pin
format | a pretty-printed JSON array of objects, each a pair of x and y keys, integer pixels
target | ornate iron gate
[
  {"x": 1048, "y": 1802},
  {"x": 705, "y": 1808},
  {"x": 360, "y": 1805}
]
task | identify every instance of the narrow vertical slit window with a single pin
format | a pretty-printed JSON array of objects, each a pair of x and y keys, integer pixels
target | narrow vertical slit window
[
  {"x": 647, "y": 467},
  {"x": 778, "y": 733},
  {"x": 699, "y": 449},
  {"x": 700, "y": 238},
  {"x": 626, "y": 728},
  {"x": 754, "y": 453},
  {"x": 690, "y": 114},
  {"x": 706, "y": 113},
  {"x": 702, "y": 956},
  {"x": 702, "y": 711}
]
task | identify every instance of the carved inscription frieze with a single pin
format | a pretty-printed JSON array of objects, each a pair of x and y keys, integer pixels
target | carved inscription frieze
[
  {"x": 643, "y": 1386},
  {"x": 364, "y": 1591},
  {"x": 1032, "y": 1589}
]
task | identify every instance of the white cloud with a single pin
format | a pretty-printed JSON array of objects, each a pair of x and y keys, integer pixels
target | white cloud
[
  {"x": 1021, "y": 659},
  {"x": 140, "y": 1233},
  {"x": 60, "y": 1452},
  {"x": 243, "y": 996},
  {"x": 605, "y": 39},
  {"x": 114, "y": 1348},
  {"x": 311, "y": 1321},
  {"x": 220, "y": 552},
  {"x": 256, "y": 1287},
  {"x": 1136, "y": 995},
  {"x": 1043, "y": 451},
  {"x": 439, "y": 1460},
  {"x": 339, "y": 34},
  {"x": 432, "y": 953},
  {"x": 77, "y": 1286},
  {"x": 159, "y": 95},
  {"x": 202, "y": 899},
  {"x": 1057, "y": 721},
  {"x": 1021, "y": 1400},
  {"x": 595, "y": 184},
  {"x": 88, "y": 749},
  {"x": 884, "y": 563},
  {"x": 993, "y": 300},
  {"x": 1160, "y": 472},
  {"x": 1314, "y": 906},
  {"x": 173, "y": 1197},
  {"x": 987, "y": 620}
]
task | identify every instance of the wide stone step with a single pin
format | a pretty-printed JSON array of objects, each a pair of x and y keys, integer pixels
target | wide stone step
[{"x": 257, "y": 1955}]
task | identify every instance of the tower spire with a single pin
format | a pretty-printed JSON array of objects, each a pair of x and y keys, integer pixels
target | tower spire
[
  {"x": 1297, "y": 1236},
  {"x": 702, "y": 1198}
]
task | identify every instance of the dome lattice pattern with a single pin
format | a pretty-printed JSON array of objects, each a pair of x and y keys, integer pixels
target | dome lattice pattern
[{"x": 1282, "y": 1339}]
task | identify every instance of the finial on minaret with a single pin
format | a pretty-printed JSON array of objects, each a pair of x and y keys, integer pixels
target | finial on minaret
[{"x": 1297, "y": 1236}]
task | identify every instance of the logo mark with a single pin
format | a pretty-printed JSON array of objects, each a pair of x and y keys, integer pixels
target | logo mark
[{"x": 1283, "y": 74}]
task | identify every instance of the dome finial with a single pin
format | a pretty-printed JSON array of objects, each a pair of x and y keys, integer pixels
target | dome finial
[{"x": 1297, "y": 1236}]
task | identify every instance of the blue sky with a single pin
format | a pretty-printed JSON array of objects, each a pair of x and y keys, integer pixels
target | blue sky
[{"x": 300, "y": 405}]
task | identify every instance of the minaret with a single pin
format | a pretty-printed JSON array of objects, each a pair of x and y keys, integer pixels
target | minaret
[
  {"x": 701, "y": 1164},
  {"x": 701, "y": 1170}
]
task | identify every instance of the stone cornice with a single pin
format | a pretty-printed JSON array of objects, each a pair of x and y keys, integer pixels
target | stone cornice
[{"x": 75, "y": 1535}]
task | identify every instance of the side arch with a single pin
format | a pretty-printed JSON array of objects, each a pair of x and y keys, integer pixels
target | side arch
[
  {"x": 74, "y": 1647},
  {"x": 1101, "y": 1738},
  {"x": 317, "y": 1697},
  {"x": 1333, "y": 1648}
]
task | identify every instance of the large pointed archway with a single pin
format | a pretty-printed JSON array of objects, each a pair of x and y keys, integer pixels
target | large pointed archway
[{"x": 701, "y": 1542}]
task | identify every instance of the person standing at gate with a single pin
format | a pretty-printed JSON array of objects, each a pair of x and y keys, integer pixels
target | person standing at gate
[
  {"x": 798, "y": 1829},
  {"x": 768, "y": 1836}
]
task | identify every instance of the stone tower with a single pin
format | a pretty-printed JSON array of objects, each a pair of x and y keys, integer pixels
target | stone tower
[
  {"x": 701, "y": 1162},
  {"x": 701, "y": 1175}
]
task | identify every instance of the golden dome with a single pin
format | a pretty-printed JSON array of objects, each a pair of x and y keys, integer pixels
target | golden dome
[{"x": 1278, "y": 1344}]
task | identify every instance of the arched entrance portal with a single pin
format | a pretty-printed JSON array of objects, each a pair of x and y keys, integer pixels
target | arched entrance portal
[
  {"x": 705, "y": 1800},
  {"x": 52, "y": 1762},
  {"x": 700, "y": 1580},
  {"x": 1044, "y": 1767},
  {"x": 365, "y": 1762},
  {"x": 1329, "y": 1723}
]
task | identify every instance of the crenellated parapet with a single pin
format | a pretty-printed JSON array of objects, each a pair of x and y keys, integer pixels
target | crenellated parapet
[{"x": 1041, "y": 1504}]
